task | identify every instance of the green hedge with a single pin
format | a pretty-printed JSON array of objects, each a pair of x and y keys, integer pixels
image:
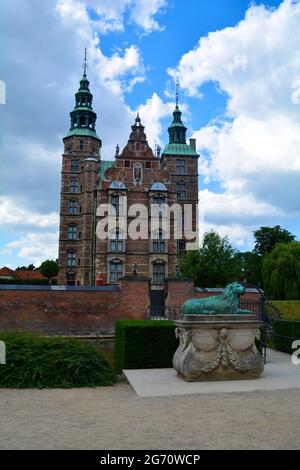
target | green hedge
[
  {"x": 35, "y": 361},
  {"x": 144, "y": 344},
  {"x": 286, "y": 331}
]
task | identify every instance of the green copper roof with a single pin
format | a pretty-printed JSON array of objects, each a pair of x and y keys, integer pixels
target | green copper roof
[
  {"x": 81, "y": 132},
  {"x": 179, "y": 149},
  {"x": 105, "y": 165}
]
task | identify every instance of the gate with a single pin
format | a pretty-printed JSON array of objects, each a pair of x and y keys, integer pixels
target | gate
[{"x": 157, "y": 304}]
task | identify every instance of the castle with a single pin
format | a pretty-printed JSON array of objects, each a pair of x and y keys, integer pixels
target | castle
[{"x": 136, "y": 175}]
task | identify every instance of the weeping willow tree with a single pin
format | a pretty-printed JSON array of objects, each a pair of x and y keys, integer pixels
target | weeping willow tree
[{"x": 281, "y": 272}]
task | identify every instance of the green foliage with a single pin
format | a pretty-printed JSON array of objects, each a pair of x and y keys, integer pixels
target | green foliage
[
  {"x": 214, "y": 265},
  {"x": 267, "y": 237},
  {"x": 281, "y": 272},
  {"x": 144, "y": 344},
  {"x": 49, "y": 269},
  {"x": 30, "y": 267},
  {"x": 285, "y": 333},
  {"x": 34, "y": 361}
]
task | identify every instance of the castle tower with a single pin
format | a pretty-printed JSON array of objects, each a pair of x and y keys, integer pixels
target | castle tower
[
  {"x": 181, "y": 161},
  {"x": 80, "y": 174}
]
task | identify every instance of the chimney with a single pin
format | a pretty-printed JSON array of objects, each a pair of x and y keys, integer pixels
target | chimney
[{"x": 193, "y": 144}]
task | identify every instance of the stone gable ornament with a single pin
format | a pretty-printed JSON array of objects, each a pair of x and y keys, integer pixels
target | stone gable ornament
[{"x": 217, "y": 339}]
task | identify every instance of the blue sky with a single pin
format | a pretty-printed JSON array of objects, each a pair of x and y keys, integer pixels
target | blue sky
[{"x": 238, "y": 64}]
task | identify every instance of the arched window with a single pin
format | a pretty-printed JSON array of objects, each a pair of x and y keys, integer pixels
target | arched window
[
  {"x": 71, "y": 258},
  {"x": 158, "y": 242},
  {"x": 116, "y": 271},
  {"x": 181, "y": 189},
  {"x": 72, "y": 232},
  {"x": 137, "y": 172},
  {"x": 73, "y": 206},
  {"x": 159, "y": 272},
  {"x": 82, "y": 121},
  {"x": 73, "y": 185},
  {"x": 116, "y": 240}
]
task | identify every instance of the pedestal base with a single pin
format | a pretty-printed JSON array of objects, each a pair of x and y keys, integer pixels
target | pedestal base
[{"x": 218, "y": 347}]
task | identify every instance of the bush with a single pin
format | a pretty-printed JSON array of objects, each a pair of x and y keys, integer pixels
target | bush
[
  {"x": 285, "y": 333},
  {"x": 144, "y": 344},
  {"x": 34, "y": 361}
]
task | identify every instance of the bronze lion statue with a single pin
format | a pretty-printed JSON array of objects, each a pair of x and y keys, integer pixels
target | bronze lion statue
[{"x": 226, "y": 304}]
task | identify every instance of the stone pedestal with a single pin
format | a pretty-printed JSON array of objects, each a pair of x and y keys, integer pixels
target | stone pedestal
[{"x": 218, "y": 347}]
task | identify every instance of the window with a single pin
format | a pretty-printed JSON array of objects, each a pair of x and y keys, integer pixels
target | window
[
  {"x": 72, "y": 232},
  {"x": 159, "y": 201},
  {"x": 159, "y": 272},
  {"x": 116, "y": 241},
  {"x": 181, "y": 247},
  {"x": 181, "y": 190},
  {"x": 127, "y": 163},
  {"x": 116, "y": 271},
  {"x": 180, "y": 167},
  {"x": 148, "y": 164},
  {"x": 159, "y": 243},
  {"x": 71, "y": 279},
  {"x": 81, "y": 145},
  {"x": 137, "y": 172},
  {"x": 115, "y": 202},
  {"x": 73, "y": 206},
  {"x": 73, "y": 185},
  {"x": 74, "y": 165},
  {"x": 71, "y": 258}
]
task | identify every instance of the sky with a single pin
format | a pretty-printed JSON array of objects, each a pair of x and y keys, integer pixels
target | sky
[{"x": 238, "y": 65}]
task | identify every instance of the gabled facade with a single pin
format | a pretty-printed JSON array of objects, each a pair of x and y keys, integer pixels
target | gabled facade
[{"x": 135, "y": 176}]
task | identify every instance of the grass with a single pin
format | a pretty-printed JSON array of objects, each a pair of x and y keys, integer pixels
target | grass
[{"x": 290, "y": 309}]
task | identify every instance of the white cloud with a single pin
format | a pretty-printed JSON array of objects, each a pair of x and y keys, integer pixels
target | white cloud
[
  {"x": 254, "y": 152},
  {"x": 14, "y": 215},
  {"x": 35, "y": 248},
  {"x": 144, "y": 11}
]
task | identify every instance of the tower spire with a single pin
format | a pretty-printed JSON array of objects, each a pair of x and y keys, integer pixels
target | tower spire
[
  {"x": 177, "y": 92},
  {"x": 85, "y": 62}
]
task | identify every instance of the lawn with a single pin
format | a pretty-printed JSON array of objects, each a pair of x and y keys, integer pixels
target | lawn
[{"x": 290, "y": 309}]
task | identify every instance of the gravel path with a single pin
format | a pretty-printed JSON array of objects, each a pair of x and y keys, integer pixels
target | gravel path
[{"x": 116, "y": 418}]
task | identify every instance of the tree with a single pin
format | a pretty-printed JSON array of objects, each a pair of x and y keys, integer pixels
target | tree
[
  {"x": 281, "y": 272},
  {"x": 267, "y": 237},
  {"x": 214, "y": 265},
  {"x": 49, "y": 269},
  {"x": 30, "y": 267}
]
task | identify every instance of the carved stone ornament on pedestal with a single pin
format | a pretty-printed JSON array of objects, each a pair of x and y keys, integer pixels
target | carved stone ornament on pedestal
[{"x": 218, "y": 348}]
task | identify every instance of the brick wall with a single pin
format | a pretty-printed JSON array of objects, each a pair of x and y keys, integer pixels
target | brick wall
[{"x": 88, "y": 310}]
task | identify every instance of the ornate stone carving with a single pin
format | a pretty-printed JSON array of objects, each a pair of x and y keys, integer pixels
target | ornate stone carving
[{"x": 218, "y": 349}]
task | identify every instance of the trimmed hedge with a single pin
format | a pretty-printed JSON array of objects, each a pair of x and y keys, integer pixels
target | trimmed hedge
[
  {"x": 286, "y": 331},
  {"x": 144, "y": 344},
  {"x": 34, "y": 361}
]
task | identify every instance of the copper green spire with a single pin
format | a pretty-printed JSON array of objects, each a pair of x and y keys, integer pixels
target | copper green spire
[
  {"x": 177, "y": 131},
  {"x": 83, "y": 117}
]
